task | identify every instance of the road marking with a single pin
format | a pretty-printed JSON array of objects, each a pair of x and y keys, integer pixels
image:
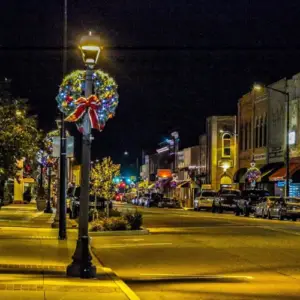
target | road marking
[
  {"x": 199, "y": 276},
  {"x": 134, "y": 245},
  {"x": 280, "y": 230},
  {"x": 133, "y": 240}
]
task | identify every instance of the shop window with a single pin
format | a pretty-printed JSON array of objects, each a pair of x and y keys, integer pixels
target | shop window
[
  {"x": 265, "y": 132},
  {"x": 226, "y": 151},
  {"x": 246, "y": 136},
  {"x": 256, "y": 133},
  {"x": 241, "y": 140},
  {"x": 261, "y": 130}
]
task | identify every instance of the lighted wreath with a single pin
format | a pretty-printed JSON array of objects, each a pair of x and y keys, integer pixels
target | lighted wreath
[
  {"x": 100, "y": 106},
  {"x": 253, "y": 173}
]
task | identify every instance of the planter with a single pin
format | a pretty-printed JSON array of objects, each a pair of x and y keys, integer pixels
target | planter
[
  {"x": 116, "y": 233},
  {"x": 40, "y": 204}
]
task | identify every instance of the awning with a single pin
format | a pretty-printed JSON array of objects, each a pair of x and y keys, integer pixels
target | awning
[
  {"x": 268, "y": 170},
  {"x": 182, "y": 184},
  {"x": 238, "y": 176},
  {"x": 151, "y": 186},
  {"x": 280, "y": 174},
  {"x": 188, "y": 184}
]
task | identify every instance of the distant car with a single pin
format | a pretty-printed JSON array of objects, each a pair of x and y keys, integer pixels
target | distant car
[
  {"x": 143, "y": 199},
  {"x": 263, "y": 206},
  {"x": 204, "y": 200},
  {"x": 118, "y": 197},
  {"x": 168, "y": 203},
  {"x": 226, "y": 200},
  {"x": 285, "y": 208},
  {"x": 246, "y": 204},
  {"x": 153, "y": 200},
  {"x": 100, "y": 204},
  {"x": 70, "y": 195},
  {"x": 134, "y": 201}
]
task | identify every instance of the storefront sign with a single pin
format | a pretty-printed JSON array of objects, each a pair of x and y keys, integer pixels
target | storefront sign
[
  {"x": 259, "y": 156},
  {"x": 164, "y": 173},
  {"x": 56, "y": 146}
]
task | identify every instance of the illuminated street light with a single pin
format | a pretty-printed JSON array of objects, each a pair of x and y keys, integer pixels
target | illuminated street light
[
  {"x": 126, "y": 153},
  {"x": 82, "y": 259},
  {"x": 90, "y": 49}
]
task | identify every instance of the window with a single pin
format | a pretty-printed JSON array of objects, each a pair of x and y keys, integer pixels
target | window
[
  {"x": 261, "y": 132},
  {"x": 226, "y": 144},
  {"x": 241, "y": 137},
  {"x": 256, "y": 133},
  {"x": 246, "y": 137},
  {"x": 265, "y": 132}
]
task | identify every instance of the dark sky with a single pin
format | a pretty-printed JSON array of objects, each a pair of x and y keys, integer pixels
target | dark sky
[{"x": 176, "y": 62}]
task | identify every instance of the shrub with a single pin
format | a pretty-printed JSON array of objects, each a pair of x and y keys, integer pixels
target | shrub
[
  {"x": 115, "y": 223},
  {"x": 134, "y": 220},
  {"x": 96, "y": 225}
]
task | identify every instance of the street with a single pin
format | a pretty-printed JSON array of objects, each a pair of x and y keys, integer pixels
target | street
[{"x": 200, "y": 255}]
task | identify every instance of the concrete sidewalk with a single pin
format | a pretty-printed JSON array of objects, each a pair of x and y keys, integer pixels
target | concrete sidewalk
[{"x": 33, "y": 264}]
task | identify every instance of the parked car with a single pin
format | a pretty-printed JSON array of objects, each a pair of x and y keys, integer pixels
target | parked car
[
  {"x": 100, "y": 204},
  {"x": 225, "y": 200},
  {"x": 204, "y": 200},
  {"x": 169, "y": 203},
  {"x": 285, "y": 208},
  {"x": 143, "y": 199},
  {"x": 153, "y": 200},
  {"x": 263, "y": 206},
  {"x": 70, "y": 195},
  {"x": 249, "y": 199}
]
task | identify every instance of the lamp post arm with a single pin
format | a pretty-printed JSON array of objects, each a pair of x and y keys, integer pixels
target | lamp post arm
[{"x": 276, "y": 90}]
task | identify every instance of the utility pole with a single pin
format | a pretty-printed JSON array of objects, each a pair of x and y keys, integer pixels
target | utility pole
[{"x": 62, "y": 233}]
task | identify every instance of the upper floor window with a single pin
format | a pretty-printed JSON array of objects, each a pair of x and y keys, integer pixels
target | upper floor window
[{"x": 226, "y": 143}]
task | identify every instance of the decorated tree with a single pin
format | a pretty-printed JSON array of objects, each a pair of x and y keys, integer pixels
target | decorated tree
[
  {"x": 102, "y": 175},
  {"x": 19, "y": 138}
]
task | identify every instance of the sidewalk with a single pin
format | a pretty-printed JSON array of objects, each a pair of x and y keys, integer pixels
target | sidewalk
[{"x": 33, "y": 264}]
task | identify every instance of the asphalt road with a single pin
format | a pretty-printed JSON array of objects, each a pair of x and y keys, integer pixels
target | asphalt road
[{"x": 200, "y": 255}]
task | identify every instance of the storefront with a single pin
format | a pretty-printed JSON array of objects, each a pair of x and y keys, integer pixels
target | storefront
[{"x": 279, "y": 177}]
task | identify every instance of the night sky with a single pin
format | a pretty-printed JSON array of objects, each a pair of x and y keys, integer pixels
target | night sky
[{"x": 176, "y": 62}]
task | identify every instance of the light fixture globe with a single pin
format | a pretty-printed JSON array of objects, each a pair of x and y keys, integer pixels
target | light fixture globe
[{"x": 90, "y": 49}]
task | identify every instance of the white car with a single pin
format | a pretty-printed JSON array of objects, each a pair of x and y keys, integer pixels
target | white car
[{"x": 204, "y": 200}]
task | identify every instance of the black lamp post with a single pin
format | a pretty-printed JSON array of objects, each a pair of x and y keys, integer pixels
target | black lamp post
[
  {"x": 48, "y": 208},
  {"x": 82, "y": 265}
]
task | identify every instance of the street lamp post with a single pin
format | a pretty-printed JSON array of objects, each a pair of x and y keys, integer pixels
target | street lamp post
[
  {"x": 82, "y": 265},
  {"x": 48, "y": 208},
  {"x": 258, "y": 87}
]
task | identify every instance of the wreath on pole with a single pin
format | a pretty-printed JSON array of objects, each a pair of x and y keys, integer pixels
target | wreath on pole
[
  {"x": 253, "y": 174},
  {"x": 100, "y": 106}
]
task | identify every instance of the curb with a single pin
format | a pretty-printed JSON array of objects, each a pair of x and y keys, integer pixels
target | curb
[
  {"x": 120, "y": 233},
  {"x": 129, "y": 293}
]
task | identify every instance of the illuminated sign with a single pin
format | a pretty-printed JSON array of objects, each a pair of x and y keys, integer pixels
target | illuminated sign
[{"x": 292, "y": 138}]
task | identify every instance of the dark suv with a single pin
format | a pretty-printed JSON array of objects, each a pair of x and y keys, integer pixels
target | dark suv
[
  {"x": 75, "y": 204},
  {"x": 249, "y": 199},
  {"x": 225, "y": 200}
]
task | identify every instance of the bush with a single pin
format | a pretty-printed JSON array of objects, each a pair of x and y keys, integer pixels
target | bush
[
  {"x": 135, "y": 221},
  {"x": 96, "y": 225},
  {"x": 115, "y": 223}
]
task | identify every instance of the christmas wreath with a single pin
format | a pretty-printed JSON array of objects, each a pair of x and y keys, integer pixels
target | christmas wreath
[{"x": 100, "y": 106}]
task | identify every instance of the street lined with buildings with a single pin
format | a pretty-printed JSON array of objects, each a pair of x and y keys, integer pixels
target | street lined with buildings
[{"x": 200, "y": 255}]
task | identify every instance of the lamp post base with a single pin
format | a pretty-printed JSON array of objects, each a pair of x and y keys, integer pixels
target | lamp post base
[
  {"x": 82, "y": 261},
  {"x": 48, "y": 209}
]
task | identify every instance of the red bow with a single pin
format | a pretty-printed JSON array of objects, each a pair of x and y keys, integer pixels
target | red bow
[{"x": 90, "y": 104}]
